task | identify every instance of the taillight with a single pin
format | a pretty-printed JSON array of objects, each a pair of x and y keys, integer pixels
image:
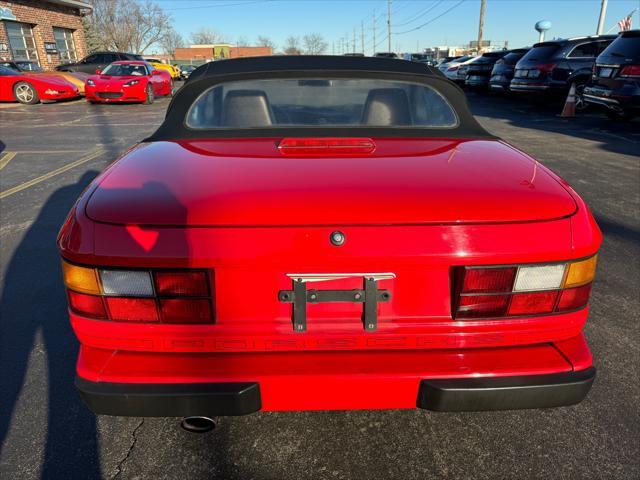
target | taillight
[
  {"x": 630, "y": 71},
  {"x": 188, "y": 284},
  {"x": 524, "y": 290},
  {"x": 139, "y": 296},
  {"x": 87, "y": 305},
  {"x": 546, "y": 67}
]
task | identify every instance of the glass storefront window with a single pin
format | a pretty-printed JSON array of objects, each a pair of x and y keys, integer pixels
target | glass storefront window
[
  {"x": 21, "y": 41},
  {"x": 66, "y": 45}
]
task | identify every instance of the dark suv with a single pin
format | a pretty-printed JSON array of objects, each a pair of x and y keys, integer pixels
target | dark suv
[
  {"x": 502, "y": 72},
  {"x": 551, "y": 67},
  {"x": 97, "y": 60},
  {"x": 615, "y": 84},
  {"x": 479, "y": 71}
]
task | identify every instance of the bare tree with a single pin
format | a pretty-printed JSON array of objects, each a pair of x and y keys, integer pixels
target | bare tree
[
  {"x": 206, "y": 36},
  {"x": 264, "y": 41},
  {"x": 314, "y": 44},
  {"x": 127, "y": 25},
  {"x": 242, "y": 42},
  {"x": 171, "y": 41},
  {"x": 292, "y": 46},
  {"x": 151, "y": 25}
]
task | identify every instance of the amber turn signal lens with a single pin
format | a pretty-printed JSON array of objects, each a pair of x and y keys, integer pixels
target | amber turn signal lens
[
  {"x": 80, "y": 279},
  {"x": 581, "y": 273}
]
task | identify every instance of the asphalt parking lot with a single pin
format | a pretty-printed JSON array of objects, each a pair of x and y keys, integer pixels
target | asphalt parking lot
[{"x": 49, "y": 153}]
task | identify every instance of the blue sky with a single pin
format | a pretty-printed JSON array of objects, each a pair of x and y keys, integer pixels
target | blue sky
[{"x": 510, "y": 20}]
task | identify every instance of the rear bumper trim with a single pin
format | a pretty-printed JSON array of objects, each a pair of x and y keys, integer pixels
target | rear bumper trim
[
  {"x": 170, "y": 400},
  {"x": 505, "y": 393}
]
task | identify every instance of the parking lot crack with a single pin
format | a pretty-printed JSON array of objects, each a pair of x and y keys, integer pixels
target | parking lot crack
[{"x": 134, "y": 439}]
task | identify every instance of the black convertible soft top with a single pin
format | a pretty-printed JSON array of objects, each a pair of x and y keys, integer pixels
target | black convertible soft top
[
  {"x": 251, "y": 68},
  {"x": 310, "y": 62}
]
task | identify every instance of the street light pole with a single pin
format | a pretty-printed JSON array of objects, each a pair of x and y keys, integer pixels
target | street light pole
[
  {"x": 603, "y": 14},
  {"x": 481, "y": 26},
  {"x": 389, "y": 24},
  {"x": 374, "y": 34}
]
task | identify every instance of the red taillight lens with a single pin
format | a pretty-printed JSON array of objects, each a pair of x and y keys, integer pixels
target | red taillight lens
[
  {"x": 524, "y": 290},
  {"x": 132, "y": 309},
  {"x": 546, "y": 67},
  {"x": 488, "y": 280},
  {"x": 87, "y": 305},
  {"x": 532, "y": 303},
  {"x": 175, "y": 310},
  {"x": 574, "y": 298},
  {"x": 482, "y": 306},
  {"x": 140, "y": 295},
  {"x": 630, "y": 71},
  {"x": 177, "y": 284},
  {"x": 325, "y": 146}
]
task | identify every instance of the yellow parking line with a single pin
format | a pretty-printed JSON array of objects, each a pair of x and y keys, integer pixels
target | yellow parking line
[
  {"x": 6, "y": 158},
  {"x": 46, "y": 176},
  {"x": 50, "y": 152}
]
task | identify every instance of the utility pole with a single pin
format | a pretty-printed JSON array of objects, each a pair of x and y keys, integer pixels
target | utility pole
[
  {"x": 481, "y": 26},
  {"x": 603, "y": 14},
  {"x": 333, "y": 48},
  {"x": 354, "y": 41},
  {"x": 373, "y": 52},
  {"x": 389, "y": 24},
  {"x": 362, "y": 36}
]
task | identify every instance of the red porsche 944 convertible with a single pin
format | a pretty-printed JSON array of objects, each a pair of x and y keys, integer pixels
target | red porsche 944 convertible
[
  {"x": 322, "y": 233},
  {"x": 127, "y": 81}
]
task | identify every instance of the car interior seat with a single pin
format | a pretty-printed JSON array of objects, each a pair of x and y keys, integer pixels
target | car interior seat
[
  {"x": 386, "y": 106},
  {"x": 246, "y": 108}
]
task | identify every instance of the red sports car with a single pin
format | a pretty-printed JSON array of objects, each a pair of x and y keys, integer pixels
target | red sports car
[
  {"x": 31, "y": 89},
  {"x": 320, "y": 233},
  {"x": 127, "y": 81}
]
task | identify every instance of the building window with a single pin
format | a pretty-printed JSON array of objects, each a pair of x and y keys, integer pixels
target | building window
[
  {"x": 66, "y": 45},
  {"x": 21, "y": 41}
]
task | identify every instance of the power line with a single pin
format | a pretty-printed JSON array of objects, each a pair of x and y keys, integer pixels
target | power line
[
  {"x": 420, "y": 15},
  {"x": 432, "y": 20}
]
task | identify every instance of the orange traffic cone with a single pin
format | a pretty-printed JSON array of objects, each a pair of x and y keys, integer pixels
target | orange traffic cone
[{"x": 569, "y": 109}]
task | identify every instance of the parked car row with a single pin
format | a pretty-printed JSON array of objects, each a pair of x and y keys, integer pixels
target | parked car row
[
  {"x": 604, "y": 69},
  {"x": 120, "y": 81}
]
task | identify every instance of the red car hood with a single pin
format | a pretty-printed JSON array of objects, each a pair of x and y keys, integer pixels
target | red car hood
[
  {"x": 115, "y": 81},
  {"x": 249, "y": 183}
]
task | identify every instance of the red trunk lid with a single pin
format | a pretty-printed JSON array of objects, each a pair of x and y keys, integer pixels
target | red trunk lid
[{"x": 248, "y": 182}]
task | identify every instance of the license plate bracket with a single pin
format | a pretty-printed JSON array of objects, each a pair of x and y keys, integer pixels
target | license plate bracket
[{"x": 369, "y": 295}]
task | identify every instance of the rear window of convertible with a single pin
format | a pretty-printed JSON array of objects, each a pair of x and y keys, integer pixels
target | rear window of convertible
[{"x": 320, "y": 102}]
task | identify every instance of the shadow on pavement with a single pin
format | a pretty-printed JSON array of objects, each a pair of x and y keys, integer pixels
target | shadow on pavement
[{"x": 31, "y": 304}]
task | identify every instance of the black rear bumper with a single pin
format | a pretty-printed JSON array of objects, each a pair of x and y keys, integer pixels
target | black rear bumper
[
  {"x": 505, "y": 393},
  {"x": 170, "y": 400},
  {"x": 242, "y": 398}
]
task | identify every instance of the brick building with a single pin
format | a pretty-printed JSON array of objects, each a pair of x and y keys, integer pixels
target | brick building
[
  {"x": 46, "y": 31},
  {"x": 207, "y": 53}
]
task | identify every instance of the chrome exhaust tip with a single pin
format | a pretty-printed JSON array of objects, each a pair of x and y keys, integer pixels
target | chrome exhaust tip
[{"x": 197, "y": 424}]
